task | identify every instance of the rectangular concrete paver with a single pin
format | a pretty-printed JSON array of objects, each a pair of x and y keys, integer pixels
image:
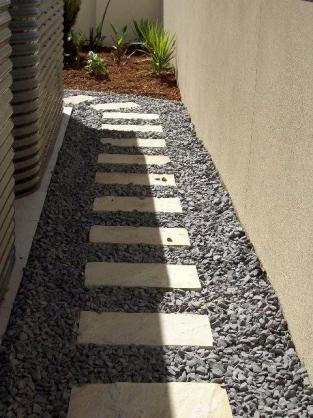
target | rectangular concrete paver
[
  {"x": 150, "y": 400},
  {"x": 172, "y": 276},
  {"x": 151, "y": 329},
  {"x": 115, "y": 106},
  {"x": 139, "y": 235},
  {"x": 80, "y": 98},
  {"x": 133, "y": 128},
  {"x": 130, "y": 204},
  {"x": 130, "y": 116},
  {"x": 137, "y": 179},
  {"x": 135, "y": 142},
  {"x": 139, "y": 159}
]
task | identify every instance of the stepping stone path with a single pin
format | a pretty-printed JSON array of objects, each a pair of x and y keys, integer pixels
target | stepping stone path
[
  {"x": 139, "y": 235},
  {"x": 135, "y": 142},
  {"x": 80, "y": 98},
  {"x": 129, "y": 204},
  {"x": 130, "y": 116},
  {"x": 115, "y": 106},
  {"x": 133, "y": 128},
  {"x": 149, "y": 400},
  {"x": 156, "y": 329},
  {"x": 144, "y": 400},
  {"x": 138, "y": 179},
  {"x": 98, "y": 274},
  {"x": 133, "y": 159}
]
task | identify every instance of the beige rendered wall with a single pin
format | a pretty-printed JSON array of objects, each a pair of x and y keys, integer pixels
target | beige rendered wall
[
  {"x": 245, "y": 70},
  {"x": 120, "y": 13}
]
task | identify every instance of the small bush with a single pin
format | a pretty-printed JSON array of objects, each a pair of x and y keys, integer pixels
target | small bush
[
  {"x": 78, "y": 38},
  {"x": 96, "y": 65},
  {"x": 96, "y": 39},
  {"x": 160, "y": 45},
  {"x": 71, "y": 9},
  {"x": 119, "y": 43},
  {"x": 141, "y": 29},
  {"x": 146, "y": 30}
]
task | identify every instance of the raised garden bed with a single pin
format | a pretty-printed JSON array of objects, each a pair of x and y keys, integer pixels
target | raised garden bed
[{"x": 134, "y": 76}]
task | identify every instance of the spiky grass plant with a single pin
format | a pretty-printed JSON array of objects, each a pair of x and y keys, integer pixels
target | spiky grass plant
[{"x": 159, "y": 45}]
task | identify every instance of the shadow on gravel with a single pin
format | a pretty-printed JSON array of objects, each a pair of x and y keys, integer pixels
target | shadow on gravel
[{"x": 40, "y": 358}]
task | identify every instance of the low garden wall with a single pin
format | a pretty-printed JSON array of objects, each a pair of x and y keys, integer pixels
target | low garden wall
[
  {"x": 120, "y": 13},
  {"x": 245, "y": 74},
  {"x": 6, "y": 152}
]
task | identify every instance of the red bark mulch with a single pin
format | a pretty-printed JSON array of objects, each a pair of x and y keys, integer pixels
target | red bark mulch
[{"x": 133, "y": 77}]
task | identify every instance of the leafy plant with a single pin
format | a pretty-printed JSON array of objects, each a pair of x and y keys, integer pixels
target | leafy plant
[
  {"x": 159, "y": 45},
  {"x": 71, "y": 9},
  {"x": 96, "y": 65},
  {"x": 141, "y": 28},
  {"x": 144, "y": 30},
  {"x": 95, "y": 37},
  {"x": 78, "y": 38},
  {"x": 161, "y": 48},
  {"x": 119, "y": 43}
]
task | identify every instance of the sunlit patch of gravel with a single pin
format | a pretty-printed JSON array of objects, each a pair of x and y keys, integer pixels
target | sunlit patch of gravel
[{"x": 253, "y": 355}]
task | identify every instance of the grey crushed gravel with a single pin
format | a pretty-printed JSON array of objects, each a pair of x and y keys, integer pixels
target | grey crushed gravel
[{"x": 253, "y": 357}]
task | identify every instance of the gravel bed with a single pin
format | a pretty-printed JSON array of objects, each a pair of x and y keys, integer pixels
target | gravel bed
[{"x": 253, "y": 356}]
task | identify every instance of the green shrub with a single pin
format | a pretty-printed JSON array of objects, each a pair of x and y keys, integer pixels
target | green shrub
[
  {"x": 71, "y": 9},
  {"x": 141, "y": 28},
  {"x": 119, "y": 43},
  {"x": 146, "y": 30},
  {"x": 96, "y": 65},
  {"x": 160, "y": 45},
  {"x": 96, "y": 38},
  {"x": 78, "y": 38}
]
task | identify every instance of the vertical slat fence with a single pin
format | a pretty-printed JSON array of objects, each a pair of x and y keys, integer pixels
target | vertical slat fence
[
  {"x": 37, "y": 41},
  {"x": 6, "y": 151}
]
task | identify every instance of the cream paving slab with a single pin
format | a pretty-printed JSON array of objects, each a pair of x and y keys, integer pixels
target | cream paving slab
[
  {"x": 150, "y": 329},
  {"x": 130, "y": 204},
  {"x": 172, "y": 276},
  {"x": 139, "y": 159},
  {"x": 81, "y": 98},
  {"x": 139, "y": 235},
  {"x": 130, "y": 116},
  {"x": 133, "y": 128},
  {"x": 134, "y": 142},
  {"x": 149, "y": 400},
  {"x": 115, "y": 106},
  {"x": 137, "y": 179}
]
